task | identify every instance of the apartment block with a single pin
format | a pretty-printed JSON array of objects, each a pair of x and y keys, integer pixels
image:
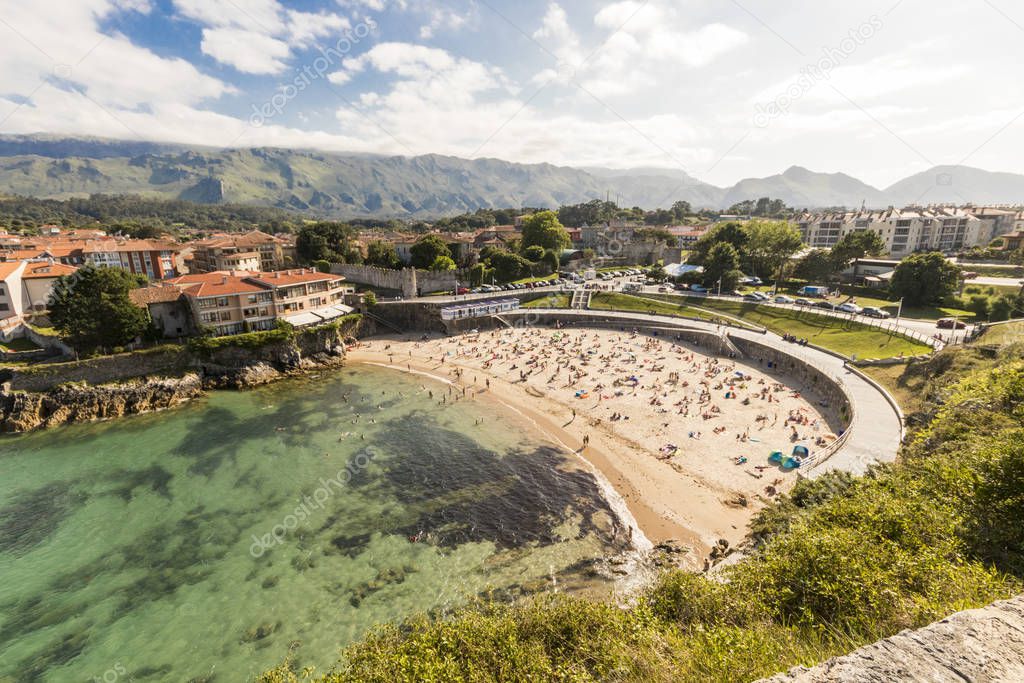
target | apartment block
[
  {"x": 904, "y": 231},
  {"x": 252, "y": 251},
  {"x": 232, "y": 302}
]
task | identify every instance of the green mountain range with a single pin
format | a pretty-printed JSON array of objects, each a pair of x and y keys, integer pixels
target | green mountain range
[{"x": 350, "y": 185}]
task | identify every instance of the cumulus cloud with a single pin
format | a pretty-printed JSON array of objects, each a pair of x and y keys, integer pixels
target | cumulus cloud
[{"x": 257, "y": 37}]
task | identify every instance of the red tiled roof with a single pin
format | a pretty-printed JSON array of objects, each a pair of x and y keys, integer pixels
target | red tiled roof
[
  {"x": 9, "y": 268},
  {"x": 217, "y": 284},
  {"x": 158, "y": 294},
  {"x": 284, "y": 278},
  {"x": 45, "y": 269}
]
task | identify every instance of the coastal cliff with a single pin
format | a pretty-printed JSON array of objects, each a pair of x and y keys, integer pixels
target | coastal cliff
[
  {"x": 69, "y": 403},
  {"x": 130, "y": 384}
]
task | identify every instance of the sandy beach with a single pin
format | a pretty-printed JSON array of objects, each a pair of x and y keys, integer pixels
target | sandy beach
[{"x": 683, "y": 438}]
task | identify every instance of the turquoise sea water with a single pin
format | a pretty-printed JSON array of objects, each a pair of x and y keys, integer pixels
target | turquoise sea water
[{"x": 207, "y": 542}]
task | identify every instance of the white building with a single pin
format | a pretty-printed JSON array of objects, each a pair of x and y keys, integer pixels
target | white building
[
  {"x": 11, "y": 294},
  {"x": 904, "y": 231}
]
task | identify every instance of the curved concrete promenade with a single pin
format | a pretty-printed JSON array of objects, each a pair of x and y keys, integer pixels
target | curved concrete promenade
[{"x": 876, "y": 431}]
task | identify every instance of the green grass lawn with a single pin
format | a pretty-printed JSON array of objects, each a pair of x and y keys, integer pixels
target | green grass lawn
[
  {"x": 19, "y": 345},
  {"x": 552, "y": 300},
  {"x": 842, "y": 336},
  {"x": 1009, "y": 333},
  {"x": 613, "y": 301}
]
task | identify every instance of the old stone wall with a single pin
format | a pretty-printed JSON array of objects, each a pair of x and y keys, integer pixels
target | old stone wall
[{"x": 409, "y": 281}]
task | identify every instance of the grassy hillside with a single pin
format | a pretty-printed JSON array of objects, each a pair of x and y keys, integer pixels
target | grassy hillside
[
  {"x": 841, "y": 562},
  {"x": 322, "y": 183}
]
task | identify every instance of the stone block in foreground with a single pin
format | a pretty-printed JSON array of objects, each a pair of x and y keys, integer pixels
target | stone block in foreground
[{"x": 979, "y": 645}]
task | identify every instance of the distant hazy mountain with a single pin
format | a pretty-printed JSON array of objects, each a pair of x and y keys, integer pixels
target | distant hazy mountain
[
  {"x": 349, "y": 185},
  {"x": 799, "y": 187},
  {"x": 958, "y": 184}
]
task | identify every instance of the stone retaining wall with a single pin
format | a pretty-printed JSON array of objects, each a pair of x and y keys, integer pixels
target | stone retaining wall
[{"x": 824, "y": 386}]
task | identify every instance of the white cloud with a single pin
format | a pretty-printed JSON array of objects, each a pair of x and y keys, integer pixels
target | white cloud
[
  {"x": 257, "y": 36},
  {"x": 442, "y": 19},
  {"x": 640, "y": 40},
  {"x": 247, "y": 51}
]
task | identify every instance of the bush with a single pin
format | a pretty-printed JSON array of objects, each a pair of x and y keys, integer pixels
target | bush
[{"x": 251, "y": 340}]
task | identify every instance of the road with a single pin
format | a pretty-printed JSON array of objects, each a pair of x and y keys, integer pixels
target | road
[{"x": 995, "y": 282}]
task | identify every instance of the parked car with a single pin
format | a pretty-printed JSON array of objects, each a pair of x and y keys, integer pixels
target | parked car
[
  {"x": 827, "y": 305},
  {"x": 753, "y": 298},
  {"x": 699, "y": 289},
  {"x": 951, "y": 324},
  {"x": 752, "y": 281},
  {"x": 850, "y": 308},
  {"x": 872, "y": 312},
  {"x": 970, "y": 275},
  {"x": 804, "y": 302},
  {"x": 783, "y": 299},
  {"x": 663, "y": 289}
]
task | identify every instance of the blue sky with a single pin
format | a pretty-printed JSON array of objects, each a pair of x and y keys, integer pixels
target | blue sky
[{"x": 720, "y": 89}]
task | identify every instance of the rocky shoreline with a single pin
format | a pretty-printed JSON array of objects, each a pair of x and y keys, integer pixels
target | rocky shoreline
[{"x": 229, "y": 368}]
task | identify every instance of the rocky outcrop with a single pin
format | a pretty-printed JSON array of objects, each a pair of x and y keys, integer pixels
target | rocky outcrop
[
  {"x": 977, "y": 645},
  {"x": 128, "y": 384},
  {"x": 69, "y": 403},
  {"x": 239, "y": 368}
]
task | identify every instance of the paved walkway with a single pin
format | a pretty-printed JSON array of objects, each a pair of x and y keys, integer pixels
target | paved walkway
[{"x": 877, "y": 427}]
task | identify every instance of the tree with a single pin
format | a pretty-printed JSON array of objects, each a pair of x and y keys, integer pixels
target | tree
[
  {"x": 427, "y": 250},
  {"x": 477, "y": 274},
  {"x": 443, "y": 264},
  {"x": 508, "y": 266},
  {"x": 816, "y": 266},
  {"x": 655, "y": 235},
  {"x": 551, "y": 260},
  {"x": 681, "y": 210},
  {"x": 856, "y": 245},
  {"x": 659, "y": 217},
  {"x": 327, "y": 241},
  {"x": 534, "y": 253},
  {"x": 382, "y": 254},
  {"x": 91, "y": 308},
  {"x": 590, "y": 213},
  {"x": 925, "y": 279},
  {"x": 729, "y": 233},
  {"x": 544, "y": 229},
  {"x": 770, "y": 245},
  {"x": 722, "y": 263}
]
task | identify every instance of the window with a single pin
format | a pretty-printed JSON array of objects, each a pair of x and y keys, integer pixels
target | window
[
  {"x": 222, "y": 301},
  {"x": 4, "y": 307}
]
